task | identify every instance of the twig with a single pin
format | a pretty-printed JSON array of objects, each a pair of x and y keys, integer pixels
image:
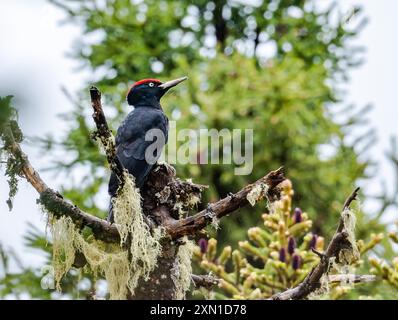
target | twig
[
  {"x": 205, "y": 281},
  {"x": 219, "y": 209},
  {"x": 351, "y": 198},
  {"x": 105, "y": 135},
  {"x": 347, "y": 203},
  {"x": 312, "y": 280},
  {"x": 351, "y": 278}
]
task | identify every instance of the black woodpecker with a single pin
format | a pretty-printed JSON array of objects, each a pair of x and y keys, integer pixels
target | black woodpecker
[{"x": 131, "y": 144}]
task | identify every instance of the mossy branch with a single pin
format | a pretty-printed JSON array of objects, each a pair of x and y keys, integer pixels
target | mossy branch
[{"x": 52, "y": 200}]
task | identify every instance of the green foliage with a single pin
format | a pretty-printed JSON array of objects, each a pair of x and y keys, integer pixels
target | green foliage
[
  {"x": 6, "y": 112},
  {"x": 277, "y": 256},
  {"x": 284, "y": 103},
  {"x": 22, "y": 282},
  {"x": 288, "y": 96},
  {"x": 388, "y": 271}
]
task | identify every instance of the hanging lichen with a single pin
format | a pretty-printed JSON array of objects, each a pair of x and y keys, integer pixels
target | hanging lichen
[
  {"x": 179, "y": 208},
  {"x": 111, "y": 262},
  {"x": 183, "y": 204},
  {"x": 351, "y": 254},
  {"x": 347, "y": 256},
  {"x": 182, "y": 269},
  {"x": 121, "y": 268},
  {"x": 144, "y": 246},
  {"x": 64, "y": 238},
  {"x": 105, "y": 259},
  {"x": 129, "y": 220}
]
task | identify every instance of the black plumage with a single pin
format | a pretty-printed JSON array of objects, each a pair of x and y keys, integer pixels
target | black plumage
[{"x": 131, "y": 142}]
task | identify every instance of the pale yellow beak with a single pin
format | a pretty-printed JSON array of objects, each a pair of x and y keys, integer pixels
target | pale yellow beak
[{"x": 172, "y": 83}]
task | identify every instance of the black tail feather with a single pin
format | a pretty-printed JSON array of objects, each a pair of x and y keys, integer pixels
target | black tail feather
[{"x": 110, "y": 212}]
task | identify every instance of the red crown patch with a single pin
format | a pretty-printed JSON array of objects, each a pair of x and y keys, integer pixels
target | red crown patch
[{"x": 146, "y": 81}]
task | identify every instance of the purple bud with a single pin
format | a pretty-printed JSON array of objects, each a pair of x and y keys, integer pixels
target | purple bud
[
  {"x": 296, "y": 262},
  {"x": 291, "y": 245},
  {"x": 282, "y": 254},
  {"x": 298, "y": 215},
  {"x": 312, "y": 243},
  {"x": 202, "y": 245}
]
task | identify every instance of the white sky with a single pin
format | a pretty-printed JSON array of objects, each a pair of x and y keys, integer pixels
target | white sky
[{"x": 33, "y": 64}]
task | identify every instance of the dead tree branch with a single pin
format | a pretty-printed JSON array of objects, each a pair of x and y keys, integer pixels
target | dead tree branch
[
  {"x": 105, "y": 135},
  {"x": 312, "y": 281},
  {"x": 221, "y": 208}
]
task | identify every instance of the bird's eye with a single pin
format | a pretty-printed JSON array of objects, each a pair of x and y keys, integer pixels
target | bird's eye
[{"x": 151, "y": 84}]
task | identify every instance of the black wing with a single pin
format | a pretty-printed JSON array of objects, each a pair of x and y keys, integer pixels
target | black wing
[
  {"x": 131, "y": 145},
  {"x": 131, "y": 136}
]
